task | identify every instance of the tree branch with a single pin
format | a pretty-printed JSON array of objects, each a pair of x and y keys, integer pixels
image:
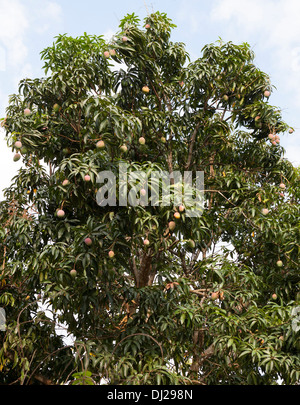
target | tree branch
[
  {"x": 42, "y": 379},
  {"x": 191, "y": 146}
]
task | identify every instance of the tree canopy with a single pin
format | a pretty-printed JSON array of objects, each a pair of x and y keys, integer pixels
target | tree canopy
[{"x": 143, "y": 296}]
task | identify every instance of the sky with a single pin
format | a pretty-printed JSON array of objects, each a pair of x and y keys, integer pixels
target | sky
[{"x": 271, "y": 27}]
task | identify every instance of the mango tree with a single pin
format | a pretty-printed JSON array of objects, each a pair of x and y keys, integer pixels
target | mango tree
[{"x": 98, "y": 291}]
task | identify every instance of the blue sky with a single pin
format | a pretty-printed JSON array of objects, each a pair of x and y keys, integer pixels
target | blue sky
[{"x": 271, "y": 27}]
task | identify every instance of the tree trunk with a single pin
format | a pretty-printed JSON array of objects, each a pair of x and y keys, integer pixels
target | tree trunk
[
  {"x": 198, "y": 340},
  {"x": 144, "y": 274}
]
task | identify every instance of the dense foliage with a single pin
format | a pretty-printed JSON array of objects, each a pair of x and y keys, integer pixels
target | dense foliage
[{"x": 208, "y": 302}]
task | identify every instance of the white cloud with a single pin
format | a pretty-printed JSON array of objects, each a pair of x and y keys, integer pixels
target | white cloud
[
  {"x": 188, "y": 14},
  {"x": 12, "y": 30},
  {"x": 13, "y": 22},
  {"x": 20, "y": 22},
  {"x": 2, "y": 59},
  {"x": 53, "y": 10},
  {"x": 47, "y": 15},
  {"x": 272, "y": 24},
  {"x": 295, "y": 59},
  {"x": 272, "y": 28},
  {"x": 245, "y": 13}
]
